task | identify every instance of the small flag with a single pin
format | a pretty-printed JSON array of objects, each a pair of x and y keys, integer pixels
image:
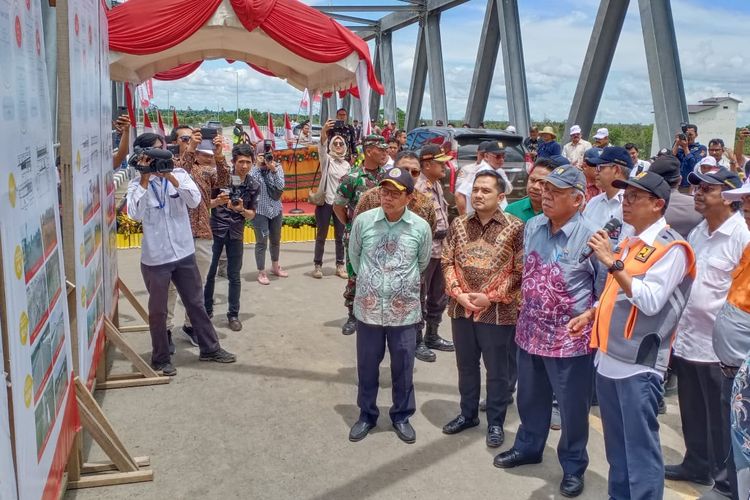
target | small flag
[
  {"x": 147, "y": 127},
  {"x": 255, "y": 134},
  {"x": 305, "y": 102},
  {"x": 129, "y": 102},
  {"x": 160, "y": 126},
  {"x": 271, "y": 131},
  {"x": 175, "y": 123},
  {"x": 288, "y": 134}
]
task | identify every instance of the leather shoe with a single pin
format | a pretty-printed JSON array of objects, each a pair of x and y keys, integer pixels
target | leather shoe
[
  {"x": 360, "y": 430},
  {"x": 438, "y": 343},
  {"x": 514, "y": 458},
  {"x": 405, "y": 432},
  {"x": 350, "y": 326},
  {"x": 679, "y": 473},
  {"x": 422, "y": 353},
  {"x": 458, "y": 424},
  {"x": 495, "y": 436},
  {"x": 235, "y": 324},
  {"x": 571, "y": 486}
]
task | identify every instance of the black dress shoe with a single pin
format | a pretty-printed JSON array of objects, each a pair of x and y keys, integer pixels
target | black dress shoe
[
  {"x": 495, "y": 436},
  {"x": 350, "y": 326},
  {"x": 571, "y": 486},
  {"x": 438, "y": 343},
  {"x": 459, "y": 424},
  {"x": 679, "y": 473},
  {"x": 513, "y": 458},
  {"x": 422, "y": 353},
  {"x": 360, "y": 430},
  {"x": 405, "y": 432}
]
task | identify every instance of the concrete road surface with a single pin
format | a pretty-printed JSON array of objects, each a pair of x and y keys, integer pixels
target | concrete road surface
[{"x": 274, "y": 425}]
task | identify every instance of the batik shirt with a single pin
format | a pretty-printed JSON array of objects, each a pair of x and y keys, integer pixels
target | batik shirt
[
  {"x": 556, "y": 287},
  {"x": 353, "y": 185},
  {"x": 485, "y": 258},
  {"x": 389, "y": 258},
  {"x": 207, "y": 178},
  {"x": 741, "y": 417}
]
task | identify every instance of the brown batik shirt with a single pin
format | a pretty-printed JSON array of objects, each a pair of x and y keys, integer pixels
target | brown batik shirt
[
  {"x": 206, "y": 178},
  {"x": 420, "y": 204},
  {"x": 485, "y": 259}
]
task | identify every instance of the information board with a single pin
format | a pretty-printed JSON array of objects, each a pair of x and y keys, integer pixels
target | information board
[
  {"x": 7, "y": 471},
  {"x": 35, "y": 308}
]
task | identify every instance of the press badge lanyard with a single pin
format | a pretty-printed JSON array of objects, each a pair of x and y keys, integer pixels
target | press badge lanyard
[{"x": 163, "y": 200}]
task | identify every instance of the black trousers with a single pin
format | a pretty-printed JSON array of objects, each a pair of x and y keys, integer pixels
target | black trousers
[
  {"x": 187, "y": 280},
  {"x": 434, "y": 299},
  {"x": 726, "y": 430},
  {"x": 699, "y": 393},
  {"x": 235, "y": 253},
  {"x": 371, "y": 342},
  {"x": 323, "y": 214},
  {"x": 474, "y": 340}
]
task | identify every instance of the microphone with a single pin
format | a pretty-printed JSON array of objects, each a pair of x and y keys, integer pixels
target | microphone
[{"x": 613, "y": 230}]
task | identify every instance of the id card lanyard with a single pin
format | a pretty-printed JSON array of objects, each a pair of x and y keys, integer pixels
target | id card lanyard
[{"x": 163, "y": 199}]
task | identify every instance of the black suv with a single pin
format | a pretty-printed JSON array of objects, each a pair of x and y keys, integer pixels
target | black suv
[{"x": 462, "y": 143}]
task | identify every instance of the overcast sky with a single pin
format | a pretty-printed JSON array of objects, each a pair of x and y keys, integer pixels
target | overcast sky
[{"x": 713, "y": 40}]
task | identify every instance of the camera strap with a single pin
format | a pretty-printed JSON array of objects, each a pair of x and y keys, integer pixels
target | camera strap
[{"x": 163, "y": 200}]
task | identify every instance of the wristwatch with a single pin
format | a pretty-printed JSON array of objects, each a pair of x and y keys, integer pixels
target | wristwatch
[{"x": 617, "y": 265}]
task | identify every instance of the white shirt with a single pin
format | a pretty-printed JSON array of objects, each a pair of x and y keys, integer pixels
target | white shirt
[
  {"x": 600, "y": 209},
  {"x": 465, "y": 173},
  {"x": 644, "y": 166},
  {"x": 163, "y": 209},
  {"x": 468, "y": 185},
  {"x": 717, "y": 255},
  {"x": 574, "y": 152},
  {"x": 650, "y": 294}
]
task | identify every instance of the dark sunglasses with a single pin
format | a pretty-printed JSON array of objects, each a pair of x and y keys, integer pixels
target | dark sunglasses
[{"x": 185, "y": 138}]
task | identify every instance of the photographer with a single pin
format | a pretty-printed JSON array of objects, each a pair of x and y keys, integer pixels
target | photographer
[
  {"x": 269, "y": 216},
  {"x": 160, "y": 198},
  {"x": 230, "y": 208},
  {"x": 688, "y": 150},
  {"x": 341, "y": 127}
]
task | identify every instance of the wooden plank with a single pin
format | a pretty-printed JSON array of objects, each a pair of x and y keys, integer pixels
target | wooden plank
[
  {"x": 133, "y": 300},
  {"x": 74, "y": 462},
  {"x": 111, "y": 479},
  {"x": 114, "y": 336},
  {"x": 101, "y": 368},
  {"x": 90, "y": 410},
  {"x": 97, "y": 467},
  {"x": 134, "y": 328},
  {"x": 138, "y": 381}
]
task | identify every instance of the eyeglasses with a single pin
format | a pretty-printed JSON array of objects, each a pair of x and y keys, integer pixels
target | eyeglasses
[
  {"x": 390, "y": 193},
  {"x": 632, "y": 196},
  {"x": 185, "y": 138},
  {"x": 705, "y": 187},
  {"x": 601, "y": 167},
  {"x": 415, "y": 172}
]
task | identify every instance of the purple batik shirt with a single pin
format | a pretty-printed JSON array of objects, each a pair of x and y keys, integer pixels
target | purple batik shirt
[{"x": 556, "y": 287}]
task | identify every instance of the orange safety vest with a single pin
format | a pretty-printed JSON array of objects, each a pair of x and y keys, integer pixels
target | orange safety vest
[
  {"x": 739, "y": 291},
  {"x": 621, "y": 329}
]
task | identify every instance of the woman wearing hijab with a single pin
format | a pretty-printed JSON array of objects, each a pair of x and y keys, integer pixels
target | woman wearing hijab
[{"x": 334, "y": 155}]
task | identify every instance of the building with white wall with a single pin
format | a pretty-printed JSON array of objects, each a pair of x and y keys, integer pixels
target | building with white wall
[{"x": 715, "y": 117}]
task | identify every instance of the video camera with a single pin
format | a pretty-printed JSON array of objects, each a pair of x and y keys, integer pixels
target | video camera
[
  {"x": 684, "y": 128},
  {"x": 160, "y": 160}
]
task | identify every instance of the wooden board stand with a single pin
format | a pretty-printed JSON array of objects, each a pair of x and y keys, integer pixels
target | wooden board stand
[
  {"x": 122, "y": 469},
  {"x": 130, "y": 296},
  {"x": 145, "y": 375}
]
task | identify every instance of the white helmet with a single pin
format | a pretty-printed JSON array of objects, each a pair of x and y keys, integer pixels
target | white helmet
[{"x": 238, "y": 122}]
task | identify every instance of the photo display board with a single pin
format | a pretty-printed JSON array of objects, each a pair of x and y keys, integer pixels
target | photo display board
[
  {"x": 93, "y": 188},
  {"x": 35, "y": 308},
  {"x": 7, "y": 471}
]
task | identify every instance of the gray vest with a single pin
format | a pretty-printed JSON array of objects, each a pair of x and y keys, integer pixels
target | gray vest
[{"x": 650, "y": 338}]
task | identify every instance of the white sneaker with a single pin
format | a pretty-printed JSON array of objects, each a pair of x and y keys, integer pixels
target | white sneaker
[{"x": 341, "y": 272}]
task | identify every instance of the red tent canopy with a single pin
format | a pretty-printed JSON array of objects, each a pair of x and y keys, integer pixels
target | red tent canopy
[{"x": 285, "y": 38}]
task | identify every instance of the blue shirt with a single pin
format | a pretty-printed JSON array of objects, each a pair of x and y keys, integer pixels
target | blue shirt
[
  {"x": 548, "y": 149},
  {"x": 268, "y": 207},
  {"x": 388, "y": 258},
  {"x": 556, "y": 288},
  {"x": 688, "y": 161}
]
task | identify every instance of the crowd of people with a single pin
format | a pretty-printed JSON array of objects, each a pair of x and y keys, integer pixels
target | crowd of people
[{"x": 612, "y": 274}]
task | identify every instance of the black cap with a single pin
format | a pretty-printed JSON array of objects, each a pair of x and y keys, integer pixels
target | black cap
[
  {"x": 495, "y": 147},
  {"x": 613, "y": 154},
  {"x": 649, "y": 182},
  {"x": 483, "y": 146},
  {"x": 400, "y": 178},
  {"x": 723, "y": 177},
  {"x": 667, "y": 166},
  {"x": 558, "y": 160}
]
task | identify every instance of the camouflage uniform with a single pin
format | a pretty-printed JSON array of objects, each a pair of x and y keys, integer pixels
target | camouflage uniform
[{"x": 351, "y": 188}]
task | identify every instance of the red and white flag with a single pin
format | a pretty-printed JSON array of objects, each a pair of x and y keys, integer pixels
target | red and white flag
[
  {"x": 255, "y": 134},
  {"x": 147, "y": 127},
  {"x": 316, "y": 97},
  {"x": 175, "y": 123},
  {"x": 288, "y": 134},
  {"x": 271, "y": 131},
  {"x": 160, "y": 126},
  {"x": 130, "y": 104},
  {"x": 143, "y": 97},
  {"x": 305, "y": 102}
]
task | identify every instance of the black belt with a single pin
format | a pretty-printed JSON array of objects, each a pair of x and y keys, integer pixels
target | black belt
[{"x": 728, "y": 371}]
